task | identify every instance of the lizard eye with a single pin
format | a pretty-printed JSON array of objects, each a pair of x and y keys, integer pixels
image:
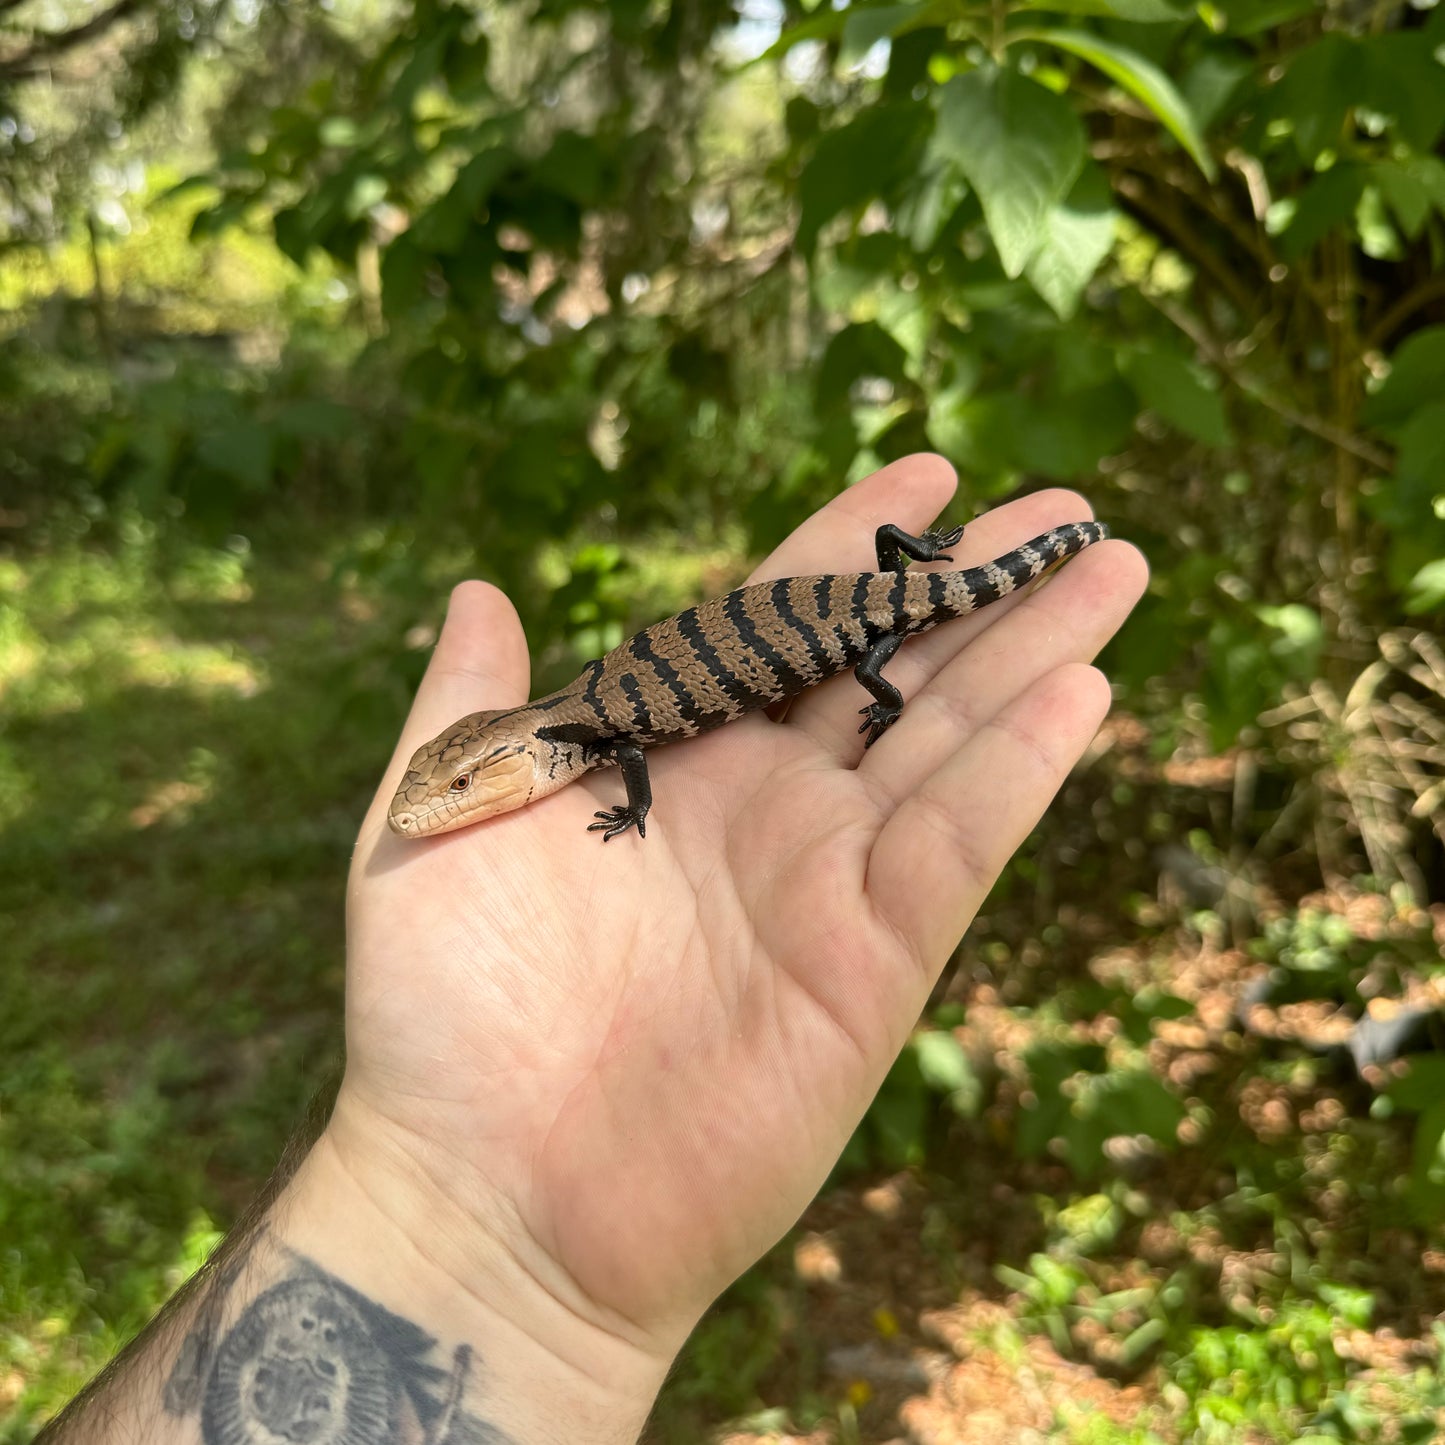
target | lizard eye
[{"x": 461, "y": 784}]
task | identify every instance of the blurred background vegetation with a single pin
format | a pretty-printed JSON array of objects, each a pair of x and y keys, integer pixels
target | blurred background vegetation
[{"x": 309, "y": 310}]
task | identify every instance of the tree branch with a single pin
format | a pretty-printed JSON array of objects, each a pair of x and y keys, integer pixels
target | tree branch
[
  {"x": 1427, "y": 291},
  {"x": 43, "y": 47},
  {"x": 1165, "y": 218},
  {"x": 1219, "y": 356}
]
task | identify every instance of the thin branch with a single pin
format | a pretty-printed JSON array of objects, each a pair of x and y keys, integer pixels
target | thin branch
[
  {"x": 1164, "y": 217},
  {"x": 1421, "y": 295},
  {"x": 45, "y": 46},
  {"x": 1219, "y": 356}
]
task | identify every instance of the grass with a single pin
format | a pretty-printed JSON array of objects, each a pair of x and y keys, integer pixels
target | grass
[{"x": 171, "y": 872}]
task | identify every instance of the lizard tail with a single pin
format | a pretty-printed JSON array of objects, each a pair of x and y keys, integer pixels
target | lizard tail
[{"x": 973, "y": 587}]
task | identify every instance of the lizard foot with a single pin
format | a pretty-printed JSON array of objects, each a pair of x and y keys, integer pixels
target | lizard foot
[
  {"x": 878, "y": 717},
  {"x": 619, "y": 820},
  {"x": 938, "y": 541}
]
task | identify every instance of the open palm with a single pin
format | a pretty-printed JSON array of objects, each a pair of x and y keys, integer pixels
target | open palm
[{"x": 638, "y": 1060}]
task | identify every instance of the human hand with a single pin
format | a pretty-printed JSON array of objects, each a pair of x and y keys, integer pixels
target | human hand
[{"x": 620, "y": 1072}]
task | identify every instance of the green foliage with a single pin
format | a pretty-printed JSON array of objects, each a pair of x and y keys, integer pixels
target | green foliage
[
  {"x": 930, "y": 1080},
  {"x": 1082, "y": 1098},
  {"x": 1018, "y": 145}
]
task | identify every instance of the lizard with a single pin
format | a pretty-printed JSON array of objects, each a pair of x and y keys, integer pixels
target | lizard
[{"x": 704, "y": 667}]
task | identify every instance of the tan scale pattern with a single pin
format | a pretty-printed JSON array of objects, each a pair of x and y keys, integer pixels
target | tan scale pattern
[
  {"x": 722, "y": 659},
  {"x": 723, "y": 674}
]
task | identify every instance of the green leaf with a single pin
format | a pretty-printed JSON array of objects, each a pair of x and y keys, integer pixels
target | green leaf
[
  {"x": 934, "y": 195},
  {"x": 865, "y": 26},
  {"x": 315, "y": 417},
  {"x": 1144, "y": 12},
  {"x": 1378, "y": 238},
  {"x": 242, "y": 451},
  {"x": 1422, "y": 1085},
  {"x": 1184, "y": 393},
  {"x": 1211, "y": 83},
  {"x": 1020, "y": 147},
  {"x": 1425, "y": 592},
  {"x": 1061, "y": 437},
  {"x": 1078, "y": 234},
  {"x": 573, "y": 167},
  {"x": 1301, "y": 638},
  {"x": 403, "y": 276},
  {"x": 853, "y": 163},
  {"x": 941, "y": 1060},
  {"x": 823, "y": 26},
  {"x": 1404, "y": 79},
  {"x": 858, "y": 351},
  {"x": 1406, "y": 192},
  {"x": 366, "y": 191},
  {"x": 1322, "y": 83},
  {"x": 1140, "y": 77},
  {"x": 1251, "y": 17},
  {"x": 1416, "y": 369},
  {"x": 1421, "y": 463},
  {"x": 1137, "y": 1101},
  {"x": 1329, "y": 201},
  {"x": 1428, "y": 1166}
]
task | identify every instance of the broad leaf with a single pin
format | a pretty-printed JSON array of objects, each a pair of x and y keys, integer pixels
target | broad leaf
[
  {"x": 1184, "y": 393},
  {"x": 934, "y": 196},
  {"x": 1412, "y": 188},
  {"x": 1020, "y": 147},
  {"x": 1404, "y": 78},
  {"x": 860, "y": 25},
  {"x": 574, "y": 167},
  {"x": 240, "y": 450},
  {"x": 1055, "y": 436},
  {"x": 1426, "y": 593},
  {"x": 1414, "y": 381},
  {"x": 1212, "y": 83},
  {"x": 1141, "y": 78},
  {"x": 1250, "y": 17},
  {"x": 1078, "y": 234},
  {"x": 865, "y": 27},
  {"x": 862, "y": 350},
  {"x": 1330, "y": 200},
  {"x": 1317, "y": 91},
  {"x": 854, "y": 163},
  {"x": 1421, "y": 465},
  {"x": 1144, "y": 12}
]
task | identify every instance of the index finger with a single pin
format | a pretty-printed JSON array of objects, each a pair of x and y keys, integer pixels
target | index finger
[{"x": 480, "y": 662}]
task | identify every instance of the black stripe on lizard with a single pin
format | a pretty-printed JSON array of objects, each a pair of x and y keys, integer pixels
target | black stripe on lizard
[{"x": 706, "y": 666}]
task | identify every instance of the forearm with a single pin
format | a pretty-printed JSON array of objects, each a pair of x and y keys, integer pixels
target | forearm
[{"x": 326, "y": 1323}]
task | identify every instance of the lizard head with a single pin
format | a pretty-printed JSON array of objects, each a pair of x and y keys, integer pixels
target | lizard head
[{"x": 483, "y": 765}]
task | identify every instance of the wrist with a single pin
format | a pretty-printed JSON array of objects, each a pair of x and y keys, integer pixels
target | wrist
[{"x": 546, "y": 1363}]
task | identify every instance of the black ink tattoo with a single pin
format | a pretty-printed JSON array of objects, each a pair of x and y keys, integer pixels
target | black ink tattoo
[{"x": 312, "y": 1361}]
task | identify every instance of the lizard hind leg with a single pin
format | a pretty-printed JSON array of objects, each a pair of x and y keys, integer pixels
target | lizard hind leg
[
  {"x": 894, "y": 544},
  {"x": 880, "y": 715}
]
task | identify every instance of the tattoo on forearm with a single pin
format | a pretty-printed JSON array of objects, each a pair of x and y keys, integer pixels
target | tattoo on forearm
[{"x": 311, "y": 1361}]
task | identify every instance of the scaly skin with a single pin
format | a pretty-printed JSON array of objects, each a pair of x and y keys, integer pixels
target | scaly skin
[{"x": 705, "y": 667}]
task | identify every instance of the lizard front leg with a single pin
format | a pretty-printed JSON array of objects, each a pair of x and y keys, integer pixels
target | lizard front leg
[{"x": 633, "y": 813}]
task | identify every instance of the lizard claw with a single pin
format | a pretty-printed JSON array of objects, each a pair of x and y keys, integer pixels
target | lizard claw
[
  {"x": 942, "y": 539},
  {"x": 618, "y": 820},
  {"x": 877, "y": 719}
]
